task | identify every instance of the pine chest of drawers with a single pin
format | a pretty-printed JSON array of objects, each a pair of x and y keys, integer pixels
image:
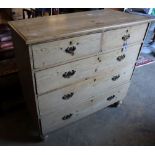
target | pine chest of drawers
[{"x": 76, "y": 64}]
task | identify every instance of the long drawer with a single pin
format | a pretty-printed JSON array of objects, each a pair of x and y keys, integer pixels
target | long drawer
[
  {"x": 58, "y": 77},
  {"x": 84, "y": 90},
  {"x": 122, "y": 37},
  {"x": 58, "y": 52},
  {"x": 63, "y": 117}
]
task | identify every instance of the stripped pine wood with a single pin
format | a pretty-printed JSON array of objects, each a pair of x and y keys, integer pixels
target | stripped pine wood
[
  {"x": 52, "y": 78},
  {"x": 56, "y": 120},
  {"x": 53, "y": 53},
  {"x": 51, "y": 28},
  {"x": 73, "y": 65},
  {"x": 79, "y": 92},
  {"x": 123, "y": 37}
]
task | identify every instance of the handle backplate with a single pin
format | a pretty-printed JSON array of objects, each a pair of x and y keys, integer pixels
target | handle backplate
[
  {"x": 126, "y": 37},
  {"x": 70, "y": 50},
  {"x": 114, "y": 78},
  {"x": 67, "y": 96},
  {"x": 67, "y": 116},
  {"x": 110, "y": 98},
  {"x": 121, "y": 57},
  {"x": 69, "y": 74}
]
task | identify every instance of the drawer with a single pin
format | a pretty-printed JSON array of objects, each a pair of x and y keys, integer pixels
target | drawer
[
  {"x": 62, "y": 51},
  {"x": 65, "y": 116},
  {"x": 122, "y": 37},
  {"x": 84, "y": 90},
  {"x": 58, "y": 77}
]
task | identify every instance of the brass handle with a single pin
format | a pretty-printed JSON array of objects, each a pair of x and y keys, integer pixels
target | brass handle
[
  {"x": 67, "y": 96},
  {"x": 69, "y": 74},
  {"x": 70, "y": 50},
  {"x": 126, "y": 37},
  {"x": 110, "y": 98},
  {"x": 67, "y": 116},
  {"x": 121, "y": 57},
  {"x": 114, "y": 78}
]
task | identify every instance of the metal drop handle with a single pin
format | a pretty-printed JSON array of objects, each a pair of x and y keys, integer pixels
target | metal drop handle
[
  {"x": 126, "y": 37},
  {"x": 114, "y": 78},
  {"x": 67, "y": 116},
  {"x": 121, "y": 57},
  {"x": 110, "y": 98},
  {"x": 69, "y": 74},
  {"x": 70, "y": 50},
  {"x": 67, "y": 96}
]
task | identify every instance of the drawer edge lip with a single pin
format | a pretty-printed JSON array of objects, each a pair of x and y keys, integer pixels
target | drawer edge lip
[
  {"x": 99, "y": 32},
  {"x": 84, "y": 31},
  {"x": 121, "y": 84},
  {"x": 43, "y": 117},
  {"x": 85, "y": 57},
  {"x": 119, "y": 48},
  {"x": 124, "y": 25},
  {"x": 66, "y": 62},
  {"x": 66, "y": 36},
  {"x": 130, "y": 67}
]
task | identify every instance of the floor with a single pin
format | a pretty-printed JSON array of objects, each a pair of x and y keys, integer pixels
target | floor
[
  {"x": 132, "y": 123},
  {"x": 150, "y": 55}
]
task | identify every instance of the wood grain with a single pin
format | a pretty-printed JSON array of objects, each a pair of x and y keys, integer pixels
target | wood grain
[
  {"x": 43, "y": 29},
  {"x": 113, "y": 39},
  {"x": 54, "y": 121},
  {"x": 82, "y": 91},
  {"x": 54, "y": 53},
  {"x": 52, "y": 78},
  {"x": 76, "y": 64},
  {"x": 26, "y": 78}
]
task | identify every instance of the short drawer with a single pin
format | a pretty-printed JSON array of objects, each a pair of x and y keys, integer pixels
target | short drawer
[
  {"x": 82, "y": 91},
  {"x": 122, "y": 37},
  {"x": 62, "y": 51},
  {"x": 62, "y": 117},
  {"x": 64, "y": 75}
]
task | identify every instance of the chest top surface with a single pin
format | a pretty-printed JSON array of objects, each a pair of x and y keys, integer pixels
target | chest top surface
[{"x": 48, "y": 28}]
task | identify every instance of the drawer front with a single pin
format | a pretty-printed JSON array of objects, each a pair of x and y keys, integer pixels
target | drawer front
[
  {"x": 84, "y": 90},
  {"x": 63, "y": 117},
  {"x": 58, "y": 77},
  {"x": 62, "y": 51},
  {"x": 122, "y": 37}
]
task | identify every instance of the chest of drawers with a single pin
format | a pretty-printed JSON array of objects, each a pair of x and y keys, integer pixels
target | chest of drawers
[{"x": 76, "y": 64}]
